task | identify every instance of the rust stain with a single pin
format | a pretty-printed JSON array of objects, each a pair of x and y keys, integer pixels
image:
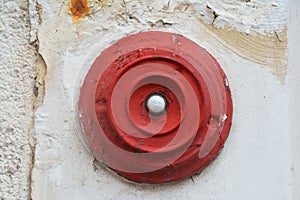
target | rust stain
[{"x": 79, "y": 8}]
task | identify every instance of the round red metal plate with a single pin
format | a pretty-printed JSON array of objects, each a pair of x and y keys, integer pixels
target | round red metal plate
[{"x": 189, "y": 90}]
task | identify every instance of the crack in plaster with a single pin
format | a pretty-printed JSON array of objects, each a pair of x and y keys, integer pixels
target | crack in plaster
[{"x": 34, "y": 11}]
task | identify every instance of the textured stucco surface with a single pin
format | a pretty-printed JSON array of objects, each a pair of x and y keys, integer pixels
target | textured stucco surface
[{"x": 17, "y": 79}]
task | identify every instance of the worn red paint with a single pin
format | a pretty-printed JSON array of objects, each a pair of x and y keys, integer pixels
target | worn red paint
[
  {"x": 79, "y": 8},
  {"x": 118, "y": 127}
]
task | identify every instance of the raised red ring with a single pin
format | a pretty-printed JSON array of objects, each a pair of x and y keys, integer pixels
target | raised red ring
[{"x": 121, "y": 132}]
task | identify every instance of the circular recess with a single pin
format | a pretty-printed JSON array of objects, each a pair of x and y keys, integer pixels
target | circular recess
[{"x": 155, "y": 107}]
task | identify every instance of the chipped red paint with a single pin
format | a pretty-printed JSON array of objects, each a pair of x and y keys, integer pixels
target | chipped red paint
[{"x": 118, "y": 128}]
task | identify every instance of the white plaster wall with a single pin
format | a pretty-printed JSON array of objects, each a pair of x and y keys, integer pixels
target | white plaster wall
[
  {"x": 259, "y": 160},
  {"x": 293, "y": 85}
]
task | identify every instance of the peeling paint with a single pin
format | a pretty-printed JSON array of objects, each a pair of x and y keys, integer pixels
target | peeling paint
[
  {"x": 40, "y": 82},
  {"x": 251, "y": 17},
  {"x": 267, "y": 50}
]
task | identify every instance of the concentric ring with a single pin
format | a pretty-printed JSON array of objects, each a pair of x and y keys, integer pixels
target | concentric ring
[{"x": 121, "y": 132}]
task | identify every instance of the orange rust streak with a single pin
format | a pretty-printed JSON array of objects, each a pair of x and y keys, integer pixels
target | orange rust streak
[{"x": 79, "y": 8}]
